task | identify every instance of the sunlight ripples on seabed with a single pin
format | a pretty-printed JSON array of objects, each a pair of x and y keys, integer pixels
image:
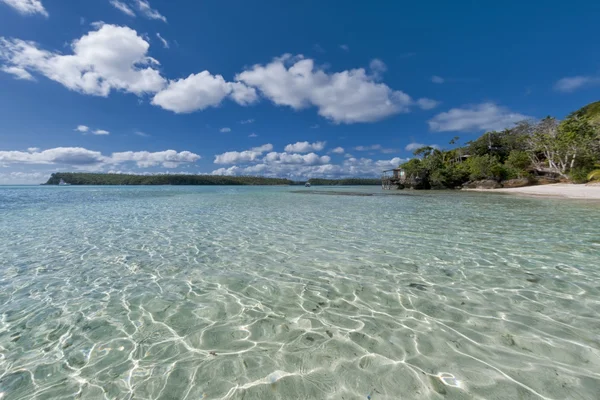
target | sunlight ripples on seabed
[{"x": 262, "y": 293}]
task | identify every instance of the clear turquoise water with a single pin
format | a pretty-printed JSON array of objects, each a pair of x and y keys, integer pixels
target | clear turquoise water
[{"x": 262, "y": 293}]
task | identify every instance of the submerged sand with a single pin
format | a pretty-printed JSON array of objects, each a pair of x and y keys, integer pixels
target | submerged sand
[{"x": 558, "y": 190}]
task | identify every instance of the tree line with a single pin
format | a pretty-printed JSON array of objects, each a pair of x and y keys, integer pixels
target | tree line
[
  {"x": 77, "y": 178},
  {"x": 565, "y": 150}
]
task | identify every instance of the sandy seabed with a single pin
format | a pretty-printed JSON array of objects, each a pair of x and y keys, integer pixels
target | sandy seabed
[{"x": 565, "y": 190}]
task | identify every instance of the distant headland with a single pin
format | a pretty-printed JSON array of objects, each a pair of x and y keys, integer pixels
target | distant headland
[{"x": 81, "y": 178}]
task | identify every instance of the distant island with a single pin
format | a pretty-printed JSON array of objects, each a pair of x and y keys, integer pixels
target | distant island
[{"x": 82, "y": 178}]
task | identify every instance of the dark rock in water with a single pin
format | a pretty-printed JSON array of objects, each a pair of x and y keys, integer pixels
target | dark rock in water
[
  {"x": 532, "y": 278},
  {"x": 329, "y": 333},
  {"x": 483, "y": 184},
  {"x": 515, "y": 183},
  {"x": 418, "y": 286}
]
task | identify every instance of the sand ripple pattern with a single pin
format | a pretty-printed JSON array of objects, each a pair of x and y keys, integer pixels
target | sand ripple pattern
[{"x": 260, "y": 293}]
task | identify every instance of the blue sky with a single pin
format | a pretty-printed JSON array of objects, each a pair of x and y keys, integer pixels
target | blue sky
[{"x": 293, "y": 89}]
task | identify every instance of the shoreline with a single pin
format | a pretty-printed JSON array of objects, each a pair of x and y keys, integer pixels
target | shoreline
[{"x": 555, "y": 190}]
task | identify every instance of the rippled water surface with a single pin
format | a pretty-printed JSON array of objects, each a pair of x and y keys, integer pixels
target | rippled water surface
[{"x": 263, "y": 293}]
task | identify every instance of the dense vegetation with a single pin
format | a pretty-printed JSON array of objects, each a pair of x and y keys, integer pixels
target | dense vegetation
[
  {"x": 76, "y": 178},
  {"x": 167, "y": 179},
  {"x": 345, "y": 181},
  {"x": 566, "y": 150}
]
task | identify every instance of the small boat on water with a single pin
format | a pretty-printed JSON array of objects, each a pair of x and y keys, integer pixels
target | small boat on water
[
  {"x": 63, "y": 183},
  {"x": 307, "y": 184}
]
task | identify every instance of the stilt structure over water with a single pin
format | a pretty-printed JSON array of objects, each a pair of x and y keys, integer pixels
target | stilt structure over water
[{"x": 392, "y": 177}]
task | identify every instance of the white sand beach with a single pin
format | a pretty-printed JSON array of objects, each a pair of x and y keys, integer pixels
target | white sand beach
[{"x": 564, "y": 190}]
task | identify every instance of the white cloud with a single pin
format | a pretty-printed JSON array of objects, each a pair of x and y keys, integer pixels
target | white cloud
[
  {"x": 33, "y": 149},
  {"x": 305, "y": 147},
  {"x": 23, "y": 178},
  {"x": 233, "y": 157},
  {"x": 242, "y": 94},
  {"x": 414, "y": 146},
  {"x": 345, "y": 47},
  {"x": 147, "y": 11},
  {"x": 368, "y": 148},
  {"x": 338, "y": 150},
  {"x": 81, "y": 157},
  {"x": 162, "y": 40},
  {"x": 247, "y": 121},
  {"x": 296, "y": 159},
  {"x": 145, "y": 159},
  {"x": 18, "y": 72},
  {"x": 344, "y": 97},
  {"x": 111, "y": 58},
  {"x": 427, "y": 104},
  {"x": 377, "y": 67},
  {"x": 82, "y": 128},
  {"x": 479, "y": 117},
  {"x": 572, "y": 83},
  {"x": 225, "y": 130},
  {"x": 75, "y": 156},
  {"x": 253, "y": 135},
  {"x": 124, "y": 8},
  {"x": 140, "y": 133},
  {"x": 101, "y": 132},
  {"x": 437, "y": 79},
  {"x": 315, "y": 126},
  {"x": 27, "y": 7},
  {"x": 97, "y": 24},
  {"x": 350, "y": 167},
  {"x": 199, "y": 91}
]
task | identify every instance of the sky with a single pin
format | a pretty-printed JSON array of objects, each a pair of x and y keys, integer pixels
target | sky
[{"x": 288, "y": 89}]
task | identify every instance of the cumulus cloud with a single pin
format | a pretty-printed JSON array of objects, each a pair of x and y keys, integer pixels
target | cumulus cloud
[
  {"x": 573, "y": 83},
  {"x": 101, "y": 132},
  {"x": 247, "y": 121},
  {"x": 145, "y": 159},
  {"x": 338, "y": 150},
  {"x": 144, "y": 7},
  {"x": 33, "y": 149},
  {"x": 199, "y": 91},
  {"x": 437, "y": 79},
  {"x": 377, "y": 67},
  {"x": 124, "y": 8},
  {"x": 350, "y": 167},
  {"x": 345, "y": 47},
  {"x": 305, "y": 147},
  {"x": 253, "y": 135},
  {"x": 225, "y": 130},
  {"x": 23, "y": 178},
  {"x": 233, "y": 157},
  {"x": 368, "y": 148},
  {"x": 110, "y": 58},
  {"x": 27, "y": 7},
  {"x": 427, "y": 104},
  {"x": 296, "y": 159},
  {"x": 18, "y": 72},
  {"x": 479, "y": 117},
  {"x": 81, "y": 157},
  {"x": 164, "y": 41},
  {"x": 344, "y": 97},
  {"x": 82, "y": 128}
]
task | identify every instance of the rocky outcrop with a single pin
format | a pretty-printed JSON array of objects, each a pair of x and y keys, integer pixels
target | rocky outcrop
[
  {"x": 516, "y": 183},
  {"x": 483, "y": 184}
]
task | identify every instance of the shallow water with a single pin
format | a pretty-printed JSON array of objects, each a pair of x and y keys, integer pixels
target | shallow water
[{"x": 262, "y": 293}]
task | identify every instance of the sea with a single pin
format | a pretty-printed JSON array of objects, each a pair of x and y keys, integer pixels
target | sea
[{"x": 235, "y": 292}]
